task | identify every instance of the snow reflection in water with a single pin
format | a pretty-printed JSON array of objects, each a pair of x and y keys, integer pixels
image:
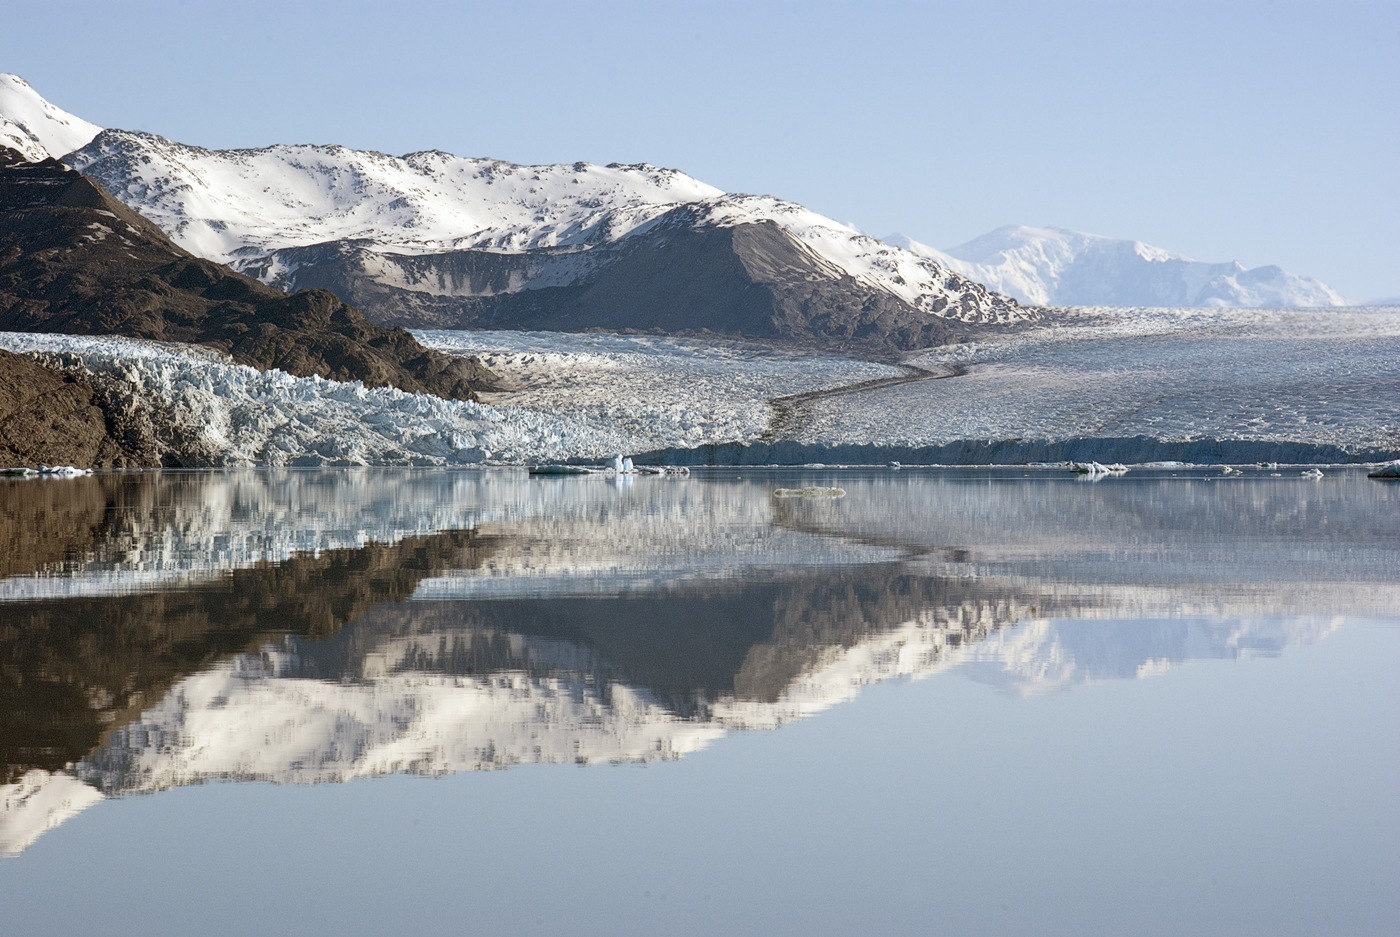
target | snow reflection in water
[{"x": 166, "y": 630}]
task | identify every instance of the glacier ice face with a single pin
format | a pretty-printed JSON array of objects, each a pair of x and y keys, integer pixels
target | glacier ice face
[
  {"x": 593, "y": 396},
  {"x": 227, "y": 414}
]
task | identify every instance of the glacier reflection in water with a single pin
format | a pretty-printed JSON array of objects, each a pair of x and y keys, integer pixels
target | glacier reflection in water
[{"x": 164, "y": 630}]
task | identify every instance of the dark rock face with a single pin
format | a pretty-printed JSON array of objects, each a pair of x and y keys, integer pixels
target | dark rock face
[
  {"x": 74, "y": 260},
  {"x": 679, "y": 277},
  {"x": 47, "y": 418}
]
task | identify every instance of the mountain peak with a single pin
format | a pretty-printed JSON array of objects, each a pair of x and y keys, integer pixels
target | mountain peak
[
  {"x": 36, "y": 128},
  {"x": 1049, "y": 266}
]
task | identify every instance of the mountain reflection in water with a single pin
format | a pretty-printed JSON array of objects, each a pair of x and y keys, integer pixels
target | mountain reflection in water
[{"x": 159, "y": 630}]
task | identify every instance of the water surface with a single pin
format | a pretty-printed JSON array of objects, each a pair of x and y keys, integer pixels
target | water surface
[{"x": 951, "y": 701}]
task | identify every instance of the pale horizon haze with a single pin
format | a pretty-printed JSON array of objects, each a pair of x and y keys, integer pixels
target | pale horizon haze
[{"x": 1264, "y": 132}]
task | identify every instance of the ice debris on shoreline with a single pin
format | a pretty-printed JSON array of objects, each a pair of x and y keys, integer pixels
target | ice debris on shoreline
[{"x": 48, "y": 471}]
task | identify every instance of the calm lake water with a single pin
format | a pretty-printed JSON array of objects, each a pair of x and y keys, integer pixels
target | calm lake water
[{"x": 953, "y": 702}]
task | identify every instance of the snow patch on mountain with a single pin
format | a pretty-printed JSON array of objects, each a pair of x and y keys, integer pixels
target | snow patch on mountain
[
  {"x": 35, "y": 127},
  {"x": 1057, "y": 267}
]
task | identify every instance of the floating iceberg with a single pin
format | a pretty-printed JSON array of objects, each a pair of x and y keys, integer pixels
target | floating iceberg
[
  {"x": 1098, "y": 468},
  {"x": 619, "y": 465},
  {"x": 63, "y": 471}
]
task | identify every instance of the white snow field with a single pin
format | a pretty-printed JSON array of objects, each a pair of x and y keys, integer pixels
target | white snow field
[{"x": 1285, "y": 377}]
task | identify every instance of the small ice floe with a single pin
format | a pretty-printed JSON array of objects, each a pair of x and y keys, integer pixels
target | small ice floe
[
  {"x": 18, "y": 472},
  {"x": 1266, "y": 465},
  {"x": 894, "y": 465},
  {"x": 809, "y": 492},
  {"x": 1312, "y": 473},
  {"x": 1230, "y": 470},
  {"x": 1386, "y": 470},
  {"x": 63, "y": 471},
  {"x": 1098, "y": 468}
]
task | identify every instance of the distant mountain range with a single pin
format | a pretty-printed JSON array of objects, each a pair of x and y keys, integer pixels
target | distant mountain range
[
  {"x": 434, "y": 240},
  {"x": 1056, "y": 267}
]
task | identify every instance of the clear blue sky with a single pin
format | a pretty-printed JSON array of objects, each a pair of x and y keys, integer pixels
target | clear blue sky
[{"x": 1267, "y": 132}]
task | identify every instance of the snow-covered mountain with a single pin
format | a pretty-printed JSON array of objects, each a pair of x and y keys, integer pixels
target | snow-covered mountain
[
  {"x": 35, "y": 127},
  {"x": 1056, "y": 267},
  {"x": 432, "y": 239},
  {"x": 435, "y": 239}
]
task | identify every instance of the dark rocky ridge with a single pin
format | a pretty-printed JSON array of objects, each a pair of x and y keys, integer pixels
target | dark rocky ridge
[
  {"x": 74, "y": 260},
  {"x": 680, "y": 276}
]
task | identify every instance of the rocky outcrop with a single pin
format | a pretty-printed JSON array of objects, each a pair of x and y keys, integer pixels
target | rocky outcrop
[
  {"x": 49, "y": 418},
  {"x": 75, "y": 260}
]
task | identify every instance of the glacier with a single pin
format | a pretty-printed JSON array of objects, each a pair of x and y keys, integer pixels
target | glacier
[{"x": 1108, "y": 385}]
